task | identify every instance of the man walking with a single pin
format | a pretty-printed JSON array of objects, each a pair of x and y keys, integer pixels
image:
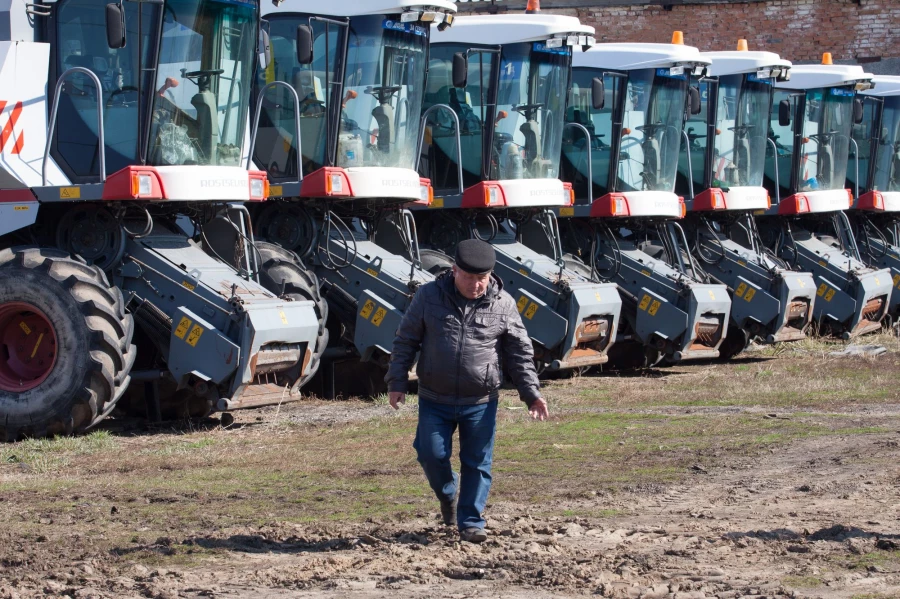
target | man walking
[{"x": 467, "y": 331}]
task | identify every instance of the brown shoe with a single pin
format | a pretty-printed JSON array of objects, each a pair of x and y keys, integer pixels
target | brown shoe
[
  {"x": 448, "y": 511},
  {"x": 473, "y": 535}
]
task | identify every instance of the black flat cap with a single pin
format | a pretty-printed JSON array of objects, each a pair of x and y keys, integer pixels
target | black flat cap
[{"x": 475, "y": 256}]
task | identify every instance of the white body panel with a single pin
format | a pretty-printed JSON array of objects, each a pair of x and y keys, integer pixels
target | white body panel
[
  {"x": 830, "y": 200},
  {"x": 652, "y": 203},
  {"x": 747, "y": 198},
  {"x": 353, "y": 8},
  {"x": 23, "y": 79},
  {"x": 891, "y": 200},
  {"x": 199, "y": 183},
  {"x": 733, "y": 63},
  {"x": 524, "y": 193},
  {"x": 885, "y": 85},
  {"x": 381, "y": 182},
  {"x": 812, "y": 76},
  {"x": 629, "y": 57},
  {"x": 508, "y": 28}
]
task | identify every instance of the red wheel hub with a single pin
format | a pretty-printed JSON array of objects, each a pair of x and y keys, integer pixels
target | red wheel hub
[{"x": 27, "y": 347}]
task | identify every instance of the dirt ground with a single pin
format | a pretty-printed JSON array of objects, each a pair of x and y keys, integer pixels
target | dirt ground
[{"x": 775, "y": 475}]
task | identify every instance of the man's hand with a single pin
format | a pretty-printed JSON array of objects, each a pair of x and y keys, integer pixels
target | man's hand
[
  {"x": 538, "y": 409},
  {"x": 398, "y": 397}
]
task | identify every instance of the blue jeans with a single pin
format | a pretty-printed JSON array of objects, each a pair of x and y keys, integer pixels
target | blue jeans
[{"x": 434, "y": 445}]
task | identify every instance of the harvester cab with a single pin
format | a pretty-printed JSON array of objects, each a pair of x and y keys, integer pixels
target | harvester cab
[
  {"x": 811, "y": 122},
  {"x": 620, "y": 151},
  {"x": 115, "y": 145},
  {"x": 494, "y": 111},
  {"x": 720, "y": 175},
  {"x": 874, "y": 177},
  {"x": 337, "y": 116}
]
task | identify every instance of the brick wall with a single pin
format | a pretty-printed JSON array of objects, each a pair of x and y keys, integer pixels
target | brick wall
[{"x": 867, "y": 32}]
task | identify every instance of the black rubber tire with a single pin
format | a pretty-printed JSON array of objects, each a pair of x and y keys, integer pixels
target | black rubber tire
[
  {"x": 735, "y": 342},
  {"x": 300, "y": 284},
  {"x": 94, "y": 333},
  {"x": 435, "y": 261}
]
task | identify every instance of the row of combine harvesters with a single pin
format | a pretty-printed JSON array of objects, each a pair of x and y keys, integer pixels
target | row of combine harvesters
[{"x": 208, "y": 205}]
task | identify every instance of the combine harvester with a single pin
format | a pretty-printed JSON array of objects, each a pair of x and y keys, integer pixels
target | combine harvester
[
  {"x": 620, "y": 151},
  {"x": 108, "y": 142},
  {"x": 338, "y": 129},
  {"x": 495, "y": 105},
  {"x": 875, "y": 179},
  {"x": 721, "y": 178},
  {"x": 811, "y": 122}
]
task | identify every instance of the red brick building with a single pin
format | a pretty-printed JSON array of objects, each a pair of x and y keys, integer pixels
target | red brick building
[{"x": 858, "y": 31}]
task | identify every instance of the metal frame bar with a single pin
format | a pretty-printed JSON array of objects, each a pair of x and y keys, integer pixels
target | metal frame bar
[
  {"x": 690, "y": 166},
  {"x": 771, "y": 142},
  {"x": 51, "y": 127}
]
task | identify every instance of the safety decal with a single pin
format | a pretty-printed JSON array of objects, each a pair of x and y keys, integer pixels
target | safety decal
[
  {"x": 597, "y": 296},
  {"x": 9, "y": 129},
  {"x": 749, "y": 295},
  {"x": 712, "y": 295},
  {"x": 801, "y": 283},
  {"x": 523, "y": 301},
  {"x": 523, "y": 272},
  {"x": 822, "y": 263},
  {"x": 654, "y": 308},
  {"x": 740, "y": 290},
  {"x": 276, "y": 191},
  {"x": 897, "y": 281},
  {"x": 877, "y": 282},
  {"x": 188, "y": 286},
  {"x": 646, "y": 273},
  {"x": 829, "y": 295},
  {"x": 183, "y": 327},
  {"x": 436, "y": 203},
  {"x": 25, "y": 328},
  {"x": 20, "y": 208},
  {"x": 821, "y": 290},
  {"x": 194, "y": 336},
  {"x": 283, "y": 316},
  {"x": 367, "y": 309},
  {"x": 380, "y": 313},
  {"x": 741, "y": 263},
  {"x": 645, "y": 302},
  {"x": 569, "y": 211},
  {"x": 69, "y": 193},
  {"x": 372, "y": 272},
  {"x": 531, "y": 311}
]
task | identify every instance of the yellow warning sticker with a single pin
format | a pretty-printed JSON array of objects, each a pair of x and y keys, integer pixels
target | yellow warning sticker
[
  {"x": 740, "y": 290},
  {"x": 523, "y": 272},
  {"x": 750, "y": 294},
  {"x": 25, "y": 328},
  {"x": 436, "y": 203},
  {"x": 801, "y": 283},
  {"x": 531, "y": 311},
  {"x": 712, "y": 295},
  {"x": 821, "y": 290},
  {"x": 69, "y": 193},
  {"x": 372, "y": 272},
  {"x": 654, "y": 308},
  {"x": 897, "y": 281},
  {"x": 367, "y": 309},
  {"x": 877, "y": 282},
  {"x": 20, "y": 208},
  {"x": 646, "y": 273},
  {"x": 194, "y": 335},
  {"x": 829, "y": 295},
  {"x": 741, "y": 263},
  {"x": 645, "y": 301},
  {"x": 523, "y": 301},
  {"x": 283, "y": 316},
  {"x": 597, "y": 295},
  {"x": 188, "y": 286},
  {"x": 276, "y": 191},
  {"x": 380, "y": 313},
  {"x": 183, "y": 327},
  {"x": 822, "y": 263},
  {"x": 567, "y": 211}
]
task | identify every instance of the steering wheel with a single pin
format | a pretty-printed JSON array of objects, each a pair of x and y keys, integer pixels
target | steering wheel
[
  {"x": 526, "y": 109},
  {"x": 116, "y": 92},
  {"x": 824, "y": 136},
  {"x": 202, "y": 72},
  {"x": 651, "y": 128},
  {"x": 741, "y": 129}
]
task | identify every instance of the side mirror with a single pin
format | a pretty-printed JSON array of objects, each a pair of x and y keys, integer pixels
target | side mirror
[
  {"x": 115, "y": 26},
  {"x": 598, "y": 93},
  {"x": 858, "y": 111},
  {"x": 264, "y": 50},
  {"x": 784, "y": 113},
  {"x": 460, "y": 70},
  {"x": 304, "y": 44},
  {"x": 694, "y": 99}
]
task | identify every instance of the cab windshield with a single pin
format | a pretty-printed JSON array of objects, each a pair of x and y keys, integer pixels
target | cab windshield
[
  {"x": 825, "y": 141},
  {"x": 531, "y": 104},
  {"x": 383, "y": 90},
  {"x": 201, "y": 94},
  {"x": 887, "y": 166},
  {"x": 741, "y": 125},
  {"x": 651, "y": 130}
]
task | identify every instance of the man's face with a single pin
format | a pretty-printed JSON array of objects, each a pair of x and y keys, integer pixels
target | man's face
[{"x": 470, "y": 286}]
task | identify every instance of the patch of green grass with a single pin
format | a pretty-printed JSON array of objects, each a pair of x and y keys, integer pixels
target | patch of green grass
[
  {"x": 804, "y": 582},
  {"x": 44, "y": 456}
]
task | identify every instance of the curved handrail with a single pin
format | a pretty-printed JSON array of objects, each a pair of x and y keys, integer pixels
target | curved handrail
[
  {"x": 259, "y": 103},
  {"x": 424, "y": 122},
  {"x": 777, "y": 178},
  {"x": 590, "y": 159},
  {"x": 690, "y": 166},
  {"x": 51, "y": 127}
]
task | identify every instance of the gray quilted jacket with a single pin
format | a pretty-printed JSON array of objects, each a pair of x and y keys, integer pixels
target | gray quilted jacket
[{"x": 462, "y": 356}]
